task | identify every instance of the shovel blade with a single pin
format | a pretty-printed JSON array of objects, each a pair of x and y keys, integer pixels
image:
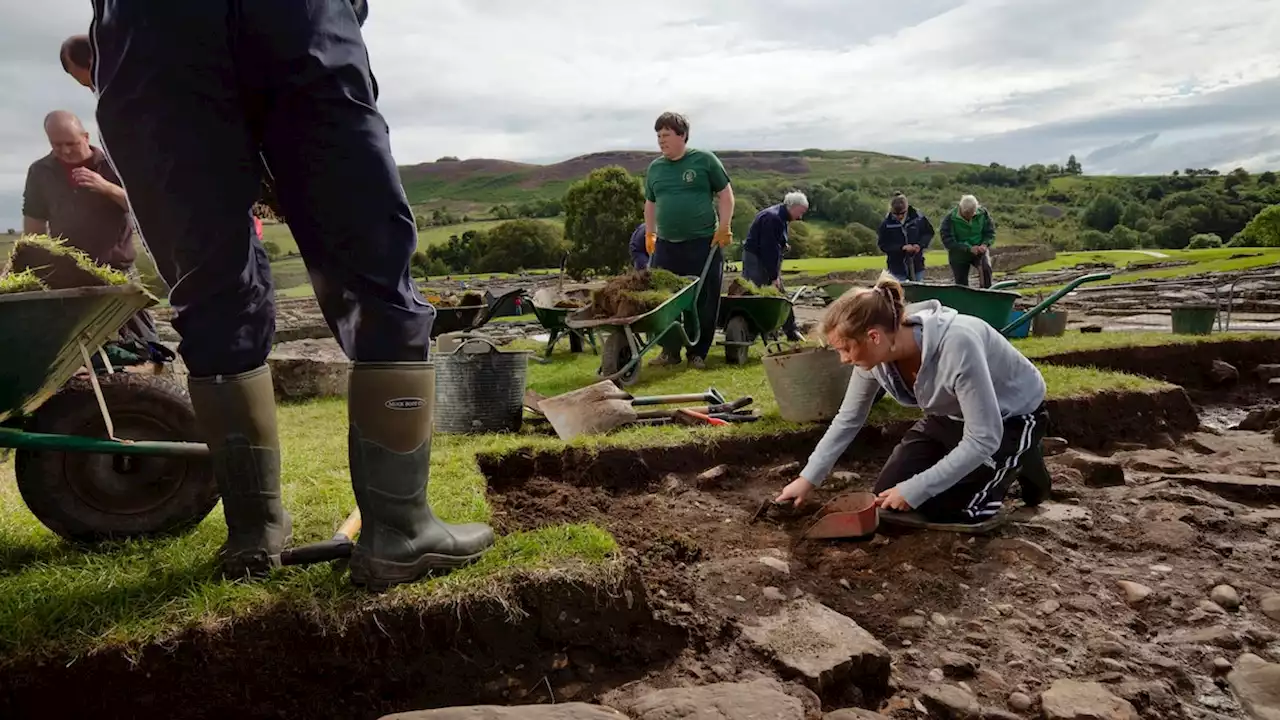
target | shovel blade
[{"x": 591, "y": 410}]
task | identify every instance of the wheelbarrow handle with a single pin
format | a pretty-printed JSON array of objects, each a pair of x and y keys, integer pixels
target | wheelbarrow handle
[{"x": 1047, "y": 302}]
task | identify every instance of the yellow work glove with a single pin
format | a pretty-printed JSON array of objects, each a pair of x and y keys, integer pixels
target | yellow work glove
[
  {"x": 724, "y": 236},
  {"x": 650, "y": 242}
]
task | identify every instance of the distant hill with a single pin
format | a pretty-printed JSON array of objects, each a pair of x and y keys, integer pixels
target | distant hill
[{"x": 479, "y": 181}]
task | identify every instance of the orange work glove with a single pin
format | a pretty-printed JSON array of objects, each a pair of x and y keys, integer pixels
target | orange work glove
[
  {"x": 724, "y": 236},
  {"x": 650, "y": 242}
]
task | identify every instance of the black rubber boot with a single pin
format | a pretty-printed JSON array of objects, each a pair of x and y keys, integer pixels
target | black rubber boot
[
  {"x": 237, "y": 416},
  {"x": 1034, "y": 477},
  {"x": 391, "y": 408}
]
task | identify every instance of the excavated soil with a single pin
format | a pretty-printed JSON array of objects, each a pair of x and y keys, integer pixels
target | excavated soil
[{"x": 1035, "y": 601}]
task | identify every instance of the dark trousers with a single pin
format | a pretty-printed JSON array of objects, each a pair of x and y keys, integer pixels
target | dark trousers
[
  {"x": 978, "y": 495},
  {"x": 754, "y": 270},
  {"x": 190, "y": 96},
  {"x": 687, "y": 258},
  {"x": 960, "y": 268}
]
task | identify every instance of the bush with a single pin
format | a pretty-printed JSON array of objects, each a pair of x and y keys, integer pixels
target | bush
[
  {"x": 1264, "y": 229},
  {"x": 1204, "y": 241},
  {"x": 1103, "y": 213},
  {"x": 1123, "y": 238},
  {"x": 804, "y": 243},
  {"x": 274, "y": 252},
  {"x": 601, "y": 211},
  {"x": 519, "y": 244},
  {"x": 1095, "y": 240}
]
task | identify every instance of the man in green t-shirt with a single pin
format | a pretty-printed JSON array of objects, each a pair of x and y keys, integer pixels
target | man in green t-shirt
[{"x": 688, "y": 206}]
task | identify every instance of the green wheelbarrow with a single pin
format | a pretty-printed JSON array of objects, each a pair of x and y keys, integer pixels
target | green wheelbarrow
[
  {"x": 629, "y": 338},
  {"x": 552, "y": 317},
  {"x": 993, "y": 304},
  {"x": 103, "y": 455},
  {"x": 747, "y": 317}
]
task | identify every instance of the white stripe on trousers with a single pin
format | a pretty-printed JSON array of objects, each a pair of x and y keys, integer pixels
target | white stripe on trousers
[{"x": 976, "y": 507}]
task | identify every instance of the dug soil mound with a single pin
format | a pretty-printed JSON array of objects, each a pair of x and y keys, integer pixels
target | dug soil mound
[{"x": 635, "y": 293}]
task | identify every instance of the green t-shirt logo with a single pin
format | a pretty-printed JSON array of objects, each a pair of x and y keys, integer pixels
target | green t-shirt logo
[{"x": 689, "y": 175}]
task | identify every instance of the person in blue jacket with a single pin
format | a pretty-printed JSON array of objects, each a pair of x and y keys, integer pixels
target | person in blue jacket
[
  {"x": 767, "y": 242},
  {"x": 904, "y": 235},
  {"x": 639, "y": 253}
]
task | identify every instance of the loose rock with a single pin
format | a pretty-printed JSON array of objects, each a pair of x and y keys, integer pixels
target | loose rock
[
  {"x": 1223, "y": 373},
  {"x": 948, "y": 702},
  {"x": 1134, "y": 593},
  {"x": 1048, "y": 607},
  {"x": 1074, "y": 700},
  {"x": 777, "y": 564},
  {"x": 822, "y": 647},
  {"x": 1225, "y": 596},
  {"x": 1020, "y": 702},
  {"x": 561, "y": 711},
  {"x": 721, "y": 701},
  {"x": 1096, "y": 471},
  {"x": 854, "y": 714},
  {"x": 956, "y": 665},
  {"x": 712, "y": 477},
  {"x": 1256, "y": 684},
  {"x": 1221, "y": 664},
  {"x": 773, "y": 593},
  {"x": 1271, "y": 606},
  {"x": 912, "y": 622}
]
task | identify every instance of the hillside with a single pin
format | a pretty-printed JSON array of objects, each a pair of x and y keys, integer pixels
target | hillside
[{"x": 466, "y": 184}]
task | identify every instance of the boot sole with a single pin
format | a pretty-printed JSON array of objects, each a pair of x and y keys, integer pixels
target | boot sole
[
  {"x": 253, "y": 564},
  {"x": 378, "y": 575}
]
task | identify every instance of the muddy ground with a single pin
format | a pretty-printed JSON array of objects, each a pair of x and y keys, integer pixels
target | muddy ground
[{"x": 1140, "y": 575}]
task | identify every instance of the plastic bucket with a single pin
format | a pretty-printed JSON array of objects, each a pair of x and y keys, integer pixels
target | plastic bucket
[
  {"x": 1022, "y": 330},
  {"x": 1194, "y": 319},
  {"x": 809, "y": 383},
  {"x": 480, "y": 388},
  {"x": 1050, "y": 323}
]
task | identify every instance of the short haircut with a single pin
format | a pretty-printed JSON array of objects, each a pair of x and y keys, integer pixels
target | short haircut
[
  {"x": 898, "y": 203},
  {"x": 675, "y": 122},
  {"x": 968, "y": 203},
  {"x": 795, "y": 197},
  {"x": 76, "y": 51}
]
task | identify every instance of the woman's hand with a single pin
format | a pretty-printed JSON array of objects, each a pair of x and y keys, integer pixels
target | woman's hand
[
  {"x": 891, "y": 499},
  {"x": 797, "y": 491}
]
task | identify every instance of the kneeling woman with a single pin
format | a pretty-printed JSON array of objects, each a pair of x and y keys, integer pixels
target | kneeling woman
[{"x": 983, "y": 403}]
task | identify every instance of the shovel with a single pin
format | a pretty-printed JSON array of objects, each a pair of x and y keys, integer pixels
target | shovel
[{"x": 603, "y": 406}]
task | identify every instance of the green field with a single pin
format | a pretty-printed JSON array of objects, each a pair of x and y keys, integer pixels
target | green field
[
  {"x": 280, "y": 235},
  {"x": 57, "y": 598}
]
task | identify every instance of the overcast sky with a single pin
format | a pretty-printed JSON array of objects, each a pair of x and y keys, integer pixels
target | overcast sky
[{"x": 1135, "y": 86}]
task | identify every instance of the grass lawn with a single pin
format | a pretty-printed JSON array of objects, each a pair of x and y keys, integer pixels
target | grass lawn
[
  {"x": 279, "y": 232},
  {"x": 1203, "y": 261},
  {"x": 54, "y": 597},
  {"x": 1034, "y": 347}
]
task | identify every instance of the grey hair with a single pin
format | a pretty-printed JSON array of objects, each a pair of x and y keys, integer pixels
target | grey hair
[
  {"x": 795, "y": 197},
  {"x": 968, "y": 203}
]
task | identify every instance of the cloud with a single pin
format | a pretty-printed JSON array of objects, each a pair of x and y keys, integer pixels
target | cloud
[{"x": 1014, "y": 81}]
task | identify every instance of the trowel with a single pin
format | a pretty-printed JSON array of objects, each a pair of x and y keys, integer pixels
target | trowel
[{"x": 603, "y": 406}]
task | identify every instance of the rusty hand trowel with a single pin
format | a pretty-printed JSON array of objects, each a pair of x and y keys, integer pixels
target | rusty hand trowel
[
  {"x": 603, "y": 406},
  {"x": 851, "y": 515}
]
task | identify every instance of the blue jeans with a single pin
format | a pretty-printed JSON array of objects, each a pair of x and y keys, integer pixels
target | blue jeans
[{"x": 193, "y": 97}]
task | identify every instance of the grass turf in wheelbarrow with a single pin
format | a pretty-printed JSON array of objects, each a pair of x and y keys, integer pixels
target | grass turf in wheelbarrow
[
  {"x": 748, "y": 317},
  {"x": 623, "y": 348}
]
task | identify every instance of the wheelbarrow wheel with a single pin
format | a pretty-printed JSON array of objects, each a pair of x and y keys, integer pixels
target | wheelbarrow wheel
[
  {"x": 736, "y": 331},
  {"x": 616, "y": 355},
  {"x": 88, "y": 497}
]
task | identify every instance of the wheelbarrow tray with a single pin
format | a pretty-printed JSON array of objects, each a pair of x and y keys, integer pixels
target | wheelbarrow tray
[
  {"x": 654, "y": 322},
  {"x": 468, "y": 317},
  {"x": 834, "y": 289},
  {"x": 765, "y": 314},
  {"x": 550, "y": 316},
  {"x": 993, "y": 306},
  {"x": 44, "y": 330}
]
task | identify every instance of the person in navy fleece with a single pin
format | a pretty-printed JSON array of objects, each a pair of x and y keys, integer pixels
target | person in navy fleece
[
  {"x": 767, "y": 242},
  {"x": 639, "y": 254},
  {"x": 904, "y": 236}
]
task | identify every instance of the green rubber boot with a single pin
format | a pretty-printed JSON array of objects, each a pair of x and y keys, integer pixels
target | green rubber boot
[
  {"x": 391, "y": 408},
  {"x": 237, "y": 416}
]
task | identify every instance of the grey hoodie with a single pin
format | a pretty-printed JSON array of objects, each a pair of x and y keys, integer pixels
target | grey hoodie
[{"x": 969, "y": 372}]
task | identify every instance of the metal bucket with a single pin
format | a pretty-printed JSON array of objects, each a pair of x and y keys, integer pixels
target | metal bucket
[
  {"x": 1050, "y": 323},
  {"x": 809, "y": 384},
  {"x": 480, "y": 389}
]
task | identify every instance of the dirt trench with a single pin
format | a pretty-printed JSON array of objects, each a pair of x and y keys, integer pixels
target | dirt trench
[{"x": 1041, "y": 599}]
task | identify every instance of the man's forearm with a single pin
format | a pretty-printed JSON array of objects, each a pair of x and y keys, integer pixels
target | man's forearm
[
  {"x": 724, "y": 205},
  {"x": 32, "y": 226},
  {"x": 117, "y": 195},
  {"x": 650, "y": 226}
]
